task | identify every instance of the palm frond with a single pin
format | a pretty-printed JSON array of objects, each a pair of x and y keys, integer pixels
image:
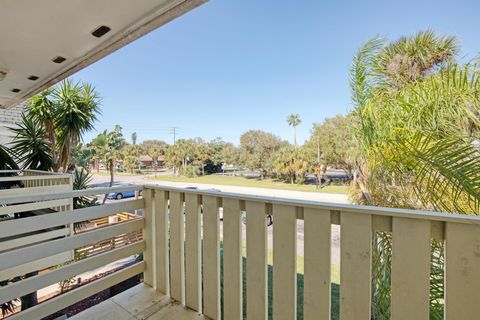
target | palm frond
[
  {"x": 360, "y": 82},
  {"x": 446, "y": 172},
  {"x": 31, "y": 146}
]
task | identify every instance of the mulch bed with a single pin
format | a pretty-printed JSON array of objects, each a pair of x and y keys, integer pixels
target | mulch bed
[{"x": 98, "y": 297}]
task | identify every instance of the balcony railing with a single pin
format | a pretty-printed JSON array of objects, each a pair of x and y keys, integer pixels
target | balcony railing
[{"x": 182, "y": 235}]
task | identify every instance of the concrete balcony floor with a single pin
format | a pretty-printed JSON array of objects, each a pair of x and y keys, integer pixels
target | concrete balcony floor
[{"x": 139, "y": 302}]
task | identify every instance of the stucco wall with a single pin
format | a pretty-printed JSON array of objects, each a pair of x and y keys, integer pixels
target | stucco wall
[{"x": 8, "y": 118}]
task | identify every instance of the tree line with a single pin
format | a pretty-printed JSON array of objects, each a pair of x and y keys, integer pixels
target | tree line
[{"x": 262, "y": 152}]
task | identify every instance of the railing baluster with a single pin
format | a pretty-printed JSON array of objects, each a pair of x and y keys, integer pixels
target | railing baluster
[
  {"x": 355, "y": 266},
  {"x": 410, "y": 268},
  {"x": 193, "y": 278},
  {"x": 177, "y": 262},
  {"x": 284, "y": 262},
  {"x": 148, "y": 252},
  {"x": 462, "y": 271},
  {"x": 317, "y": 251},
  {"x": 256, "y": 261},
  {"x": 211, "y": 257},
  {"x": 232, "y": 259},
  {"x": 161, "y": 236}
]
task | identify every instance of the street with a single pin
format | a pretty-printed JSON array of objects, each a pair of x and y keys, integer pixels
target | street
[{"x": 301, "y": 195}]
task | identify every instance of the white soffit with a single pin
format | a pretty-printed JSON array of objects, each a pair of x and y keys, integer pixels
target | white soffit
[{"x": 34, "y": 32}]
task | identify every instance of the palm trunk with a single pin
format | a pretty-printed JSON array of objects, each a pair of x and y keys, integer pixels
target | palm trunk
[
  {"x": 295, "y": 136},
  {"x": 112, "y": 172},
  {"x": 110, "y": 165}
]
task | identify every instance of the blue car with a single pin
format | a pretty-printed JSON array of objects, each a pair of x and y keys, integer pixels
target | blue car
[{"x": 122, "y": 195}]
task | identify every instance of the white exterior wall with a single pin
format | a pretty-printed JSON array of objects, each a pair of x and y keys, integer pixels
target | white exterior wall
[{"x": 9, "y": 118}]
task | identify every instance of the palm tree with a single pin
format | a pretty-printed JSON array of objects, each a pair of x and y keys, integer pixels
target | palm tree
[
  {"x": 81, "y": 181},
  {"x": 154, "y": 153},
  {"x": 31, "y": 145},
  {"x": 59, "y": 116},
  {"x": 42, "y": 108},
  {"x": 77, "y": 108},
  {"x": 294, "y": 120},
  {"x": 130, "y": 155},
  {"x": 203, "y": 153},
  {"x": 290, "y": 162},
  {"x": 111, "y": 151},
  {"x": 417, "y": 116}
]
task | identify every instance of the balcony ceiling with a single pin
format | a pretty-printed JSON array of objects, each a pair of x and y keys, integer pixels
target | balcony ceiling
[{"x": 34, "y": 33}]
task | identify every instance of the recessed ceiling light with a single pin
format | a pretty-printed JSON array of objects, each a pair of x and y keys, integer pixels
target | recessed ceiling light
[
  {"x": 33, "y": 78},
  {"x": 59, "y": 59},
  {"x": 100, "y": 31},
  {"x": 16, "y": 90},
  {"x": 3, "y": 73}
]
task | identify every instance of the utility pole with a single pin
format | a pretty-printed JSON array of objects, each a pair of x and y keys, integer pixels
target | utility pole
[{"x": 173, "y": 131}]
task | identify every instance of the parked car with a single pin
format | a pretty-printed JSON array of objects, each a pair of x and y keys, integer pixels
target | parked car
[{"x": 122, "y": 194}]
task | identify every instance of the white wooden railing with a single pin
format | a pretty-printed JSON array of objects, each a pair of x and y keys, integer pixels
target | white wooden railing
[
  {"x": 182, "y": 235},
  {"x": 40, "y": 180},
  {"x": 41, "y": 252},
  {"x": 183, "y": 227},
  {"x": 24, "y": 182}
]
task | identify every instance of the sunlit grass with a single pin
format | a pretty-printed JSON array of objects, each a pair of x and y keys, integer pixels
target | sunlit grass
[
  {"x": 335, "y": 286},
  {"x": 246, "y": 182}
]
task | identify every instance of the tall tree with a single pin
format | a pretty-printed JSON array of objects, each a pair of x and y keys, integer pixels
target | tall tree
[
  {"x": 97, "y": 146},
  {"x": 77, "y": 107},
  {"x": 230, "y": 156},
  {"x": 108, "y": 146},
  {"x": 256, "y": 148},
  {"x": 333, "y": 138},
  {"x": 115, "y": 143},
  {"x": 155, "y": 153},
  {"x": 130, "y": 154},
  {"x": 203, "y": 154},
  {"x": 294, "y": 120},
  {"x": 291, "y": 162}
]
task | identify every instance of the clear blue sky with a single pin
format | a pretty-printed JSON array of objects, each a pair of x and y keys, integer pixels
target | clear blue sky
[{"x": 231, "y": 66}]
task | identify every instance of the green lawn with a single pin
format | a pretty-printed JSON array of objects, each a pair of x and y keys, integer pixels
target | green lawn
[
  {"x": 245, "y": 182},
  {"x": 335, "y": 287}
]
